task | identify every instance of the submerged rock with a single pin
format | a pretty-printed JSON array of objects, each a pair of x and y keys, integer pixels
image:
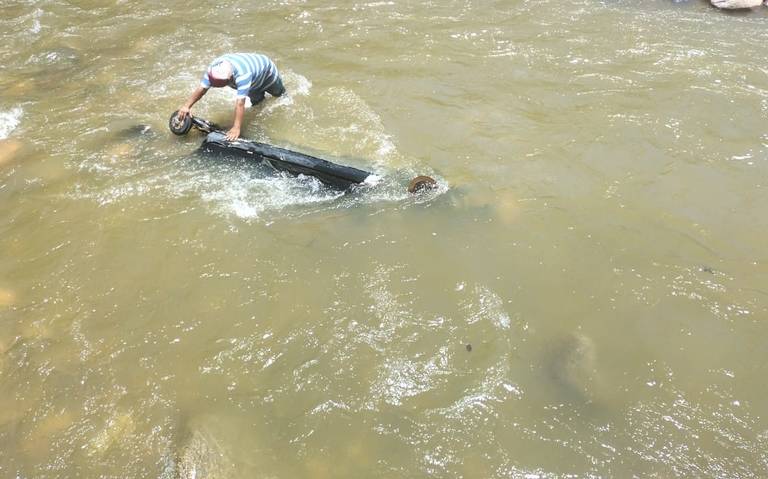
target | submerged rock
[
  {"x": 9, "y": 150},
  {"x": 200, "y": 457},
  {"x": 57, "y": 58},
  {"x": 117, "y": 429},
  {"x": 7, "y": 298},
  {"x": 736, "y": 4},
  {"x": 38, "y": 442},
  {"x": 221, "y": 444},
  {"x": 11, "y": 410},
  {"x": 127, "y": 140},
  {"x": 54, "y": 70},
  {"x": 121, "y": 150},
  {"x": 20, "y": 89},
  {"x": 507, "y": 207},
  {"x": 137, "y": 131},
  {"x": 7, "y": 340},
  {"x": 573, "y": 367},
  {"x": 204, "y": 445},
  {"x": 35, "y": 330},
  {"x": 143, "y": 45},
  {"x": 319, "y": 467},
  {"x": 502, "y": 204}
]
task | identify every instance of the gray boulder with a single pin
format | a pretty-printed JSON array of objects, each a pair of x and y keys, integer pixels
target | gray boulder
[{"x": 736, "y": 4}]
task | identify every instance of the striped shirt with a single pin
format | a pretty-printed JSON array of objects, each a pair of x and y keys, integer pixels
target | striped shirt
[{"x": 251, "y": 72}]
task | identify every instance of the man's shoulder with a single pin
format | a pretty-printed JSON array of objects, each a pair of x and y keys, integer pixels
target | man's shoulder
[
  {"x": 245, "y": 55},
  {"x": 250, "y": 56}
]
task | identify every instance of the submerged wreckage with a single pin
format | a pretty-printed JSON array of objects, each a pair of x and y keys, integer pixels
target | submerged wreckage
[{"x": 293, "y": 162}]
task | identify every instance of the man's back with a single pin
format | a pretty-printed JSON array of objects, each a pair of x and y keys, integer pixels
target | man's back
[{"x": 251, "y": 71}]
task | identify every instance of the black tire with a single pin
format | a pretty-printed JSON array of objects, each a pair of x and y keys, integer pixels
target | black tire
[{"x": 179, "y": 127}]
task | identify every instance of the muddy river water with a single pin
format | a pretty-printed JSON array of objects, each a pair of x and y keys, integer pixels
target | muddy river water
[{"x": 584, "y": 295}]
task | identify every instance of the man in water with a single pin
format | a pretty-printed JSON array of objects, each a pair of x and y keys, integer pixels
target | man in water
[{"x": 251, "y": 74}]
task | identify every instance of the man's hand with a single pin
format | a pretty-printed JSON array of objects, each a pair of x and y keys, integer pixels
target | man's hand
[
  {"x": 183, "y": 112},
  {"x": 193, "y": 98},
  {"x": 233, "y": 133}
]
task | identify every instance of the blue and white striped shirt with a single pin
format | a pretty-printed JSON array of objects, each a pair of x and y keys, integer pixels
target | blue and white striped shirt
[{"x": 251, "y": 72}]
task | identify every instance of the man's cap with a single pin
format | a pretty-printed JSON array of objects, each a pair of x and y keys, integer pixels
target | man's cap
[{"x": 219, "y": 73}]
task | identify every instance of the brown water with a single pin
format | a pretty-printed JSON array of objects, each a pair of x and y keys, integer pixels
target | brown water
[{"x": 585, "y": 295}]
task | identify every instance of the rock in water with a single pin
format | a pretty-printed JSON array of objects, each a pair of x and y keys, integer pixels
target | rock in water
[
  {"x": 128, "y": 130},
  {"x": 736, "y": 4},
  {"x": 120, "y": 150},
  {"x": 137, "y": 131},
  {"x": 7, "y": 298},
  {"x": 38, "y": 442},
  {"x": 60, "y": 58},
  {"x": 117, "y": 429},
  {"x": 201, "y": 457},
  {"x": 204, "y": 447},
  {"x": 573, "y": 366},
  {"x": 8, "y": 150}
]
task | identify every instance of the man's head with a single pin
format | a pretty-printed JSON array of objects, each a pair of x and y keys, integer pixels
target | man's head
[{"x": 220, "y": 73}]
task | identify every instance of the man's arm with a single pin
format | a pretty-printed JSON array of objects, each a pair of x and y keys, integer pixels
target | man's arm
[
  {"x": 234, "y": 132},
  {"x": 193, "y": 98}
]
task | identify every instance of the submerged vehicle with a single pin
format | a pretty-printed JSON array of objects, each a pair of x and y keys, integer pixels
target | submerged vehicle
[{"x": 293, "y": 162}]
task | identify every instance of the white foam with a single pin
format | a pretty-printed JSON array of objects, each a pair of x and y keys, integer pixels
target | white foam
[
  {"x": 36, "y": 27},
  {"x": 9, "y": 120},
  {"x": 295, "y": 85},
  {"x": 249, "y": 197},
  {"x": 386, "y": 147},
  {"x": 372, "y": 180},
  {"x": 489, "y": 306},
  {"x": 299, "y": 84},
  {"x": 359, "y": 123}
]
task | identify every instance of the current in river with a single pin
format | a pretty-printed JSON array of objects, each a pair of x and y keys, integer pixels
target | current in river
[{"x": 585, "y": 294}]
